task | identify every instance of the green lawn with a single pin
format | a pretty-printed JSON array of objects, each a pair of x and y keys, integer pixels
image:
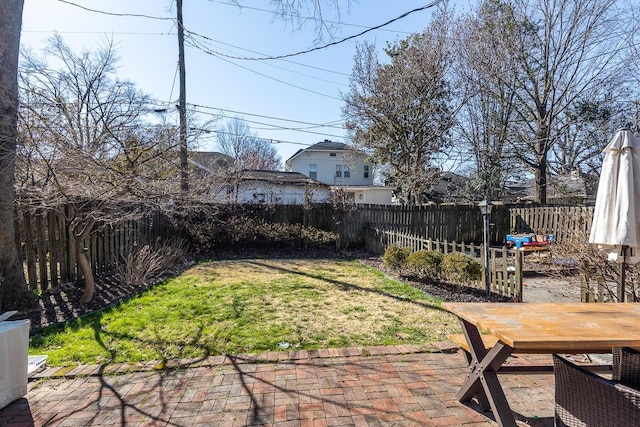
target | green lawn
[{"x": 249, "y": 306}]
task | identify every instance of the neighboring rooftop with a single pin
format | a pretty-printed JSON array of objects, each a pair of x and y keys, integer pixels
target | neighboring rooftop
[
  {"x": 279, "y": 177},
  {"x": 326, "y": 145},
  {"x": 210, "y": 160},
  {"x": 329, "y": 145}
]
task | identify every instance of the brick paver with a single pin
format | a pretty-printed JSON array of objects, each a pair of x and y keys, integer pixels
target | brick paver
[{"x": 376, "y": 386}]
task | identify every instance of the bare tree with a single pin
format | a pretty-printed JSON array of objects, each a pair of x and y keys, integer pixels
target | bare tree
[
  {"x": 236, "y": 140},
  {"x": 89, "y": 152},
  {"x": 488, "y": 95},
  {"x": 566, "y": 51},
  {"x": 13, "y": 286},
  {"x": 12, "y": 280},
  {"x": 401, "y": 112},
  {"x": 585, "y": 129}
]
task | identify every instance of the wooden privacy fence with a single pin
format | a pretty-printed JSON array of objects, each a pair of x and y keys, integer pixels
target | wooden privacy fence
[
  {"x": 505, "y": 264},
  {"x": 560, "y": 221},
  {"x": 48, "y": 245},
  {"x": 440, "y": 222}
]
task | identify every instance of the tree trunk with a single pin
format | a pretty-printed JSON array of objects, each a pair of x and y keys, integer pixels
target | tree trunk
[
  {"x": 13, "y": 286},
  {"x": 540, "y": 173}
]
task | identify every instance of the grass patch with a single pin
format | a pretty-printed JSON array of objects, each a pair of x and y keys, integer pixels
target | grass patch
[{"x": 248, "y": 306}]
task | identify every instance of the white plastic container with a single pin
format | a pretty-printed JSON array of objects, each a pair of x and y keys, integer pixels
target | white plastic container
[{"x": 14, "y": 351}]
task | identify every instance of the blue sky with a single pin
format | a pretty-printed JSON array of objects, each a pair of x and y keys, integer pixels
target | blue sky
[{"x": 297, "y": 94}]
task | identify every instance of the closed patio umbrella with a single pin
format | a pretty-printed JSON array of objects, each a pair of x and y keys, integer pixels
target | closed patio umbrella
[{"x": 615, "y": 228}]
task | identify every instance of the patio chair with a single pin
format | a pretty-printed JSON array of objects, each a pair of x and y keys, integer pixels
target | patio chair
[
  {"x": 626, "y": 367},
  {"x": 585, "y": 399}
]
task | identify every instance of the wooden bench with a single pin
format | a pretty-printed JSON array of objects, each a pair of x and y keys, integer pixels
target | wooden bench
[
  {"x": 490, "y": 340},
  {"x": 459, "y": 339}
]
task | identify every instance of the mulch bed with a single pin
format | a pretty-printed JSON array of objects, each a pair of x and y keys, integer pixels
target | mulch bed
[{"x": 61, "y": 303}]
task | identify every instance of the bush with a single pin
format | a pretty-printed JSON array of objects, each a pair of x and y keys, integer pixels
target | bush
[
  {"x": 395, "y": 257},
  {"x": 142, "y": 265},
  {"x": 459, "y": 267},
  {"x": 425, "y": 264},
  {"x": 231, "y": 231}
]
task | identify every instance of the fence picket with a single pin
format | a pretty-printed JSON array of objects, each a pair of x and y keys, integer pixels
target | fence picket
[
  {"x": 41, "y": 249},
  {"x": 53, "y": 247}
]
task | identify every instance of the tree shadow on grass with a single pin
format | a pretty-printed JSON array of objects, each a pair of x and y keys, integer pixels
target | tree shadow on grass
[{"x": 345, "y": 286}]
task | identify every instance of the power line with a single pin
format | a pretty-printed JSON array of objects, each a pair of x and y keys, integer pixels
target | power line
[
  {"x": 118, "y": 33},
  {"x": 129, "y": 15},
  {"x": 269, "y": 140},
  {"x": 284, "y": 60},
  {"x": 288, "y": 55},
  {"x": 194, "y": 44},
  {"x": 307, "y": 18},
  {"x": 262, "y": 116},
  {"x": 282, "y": 128}
]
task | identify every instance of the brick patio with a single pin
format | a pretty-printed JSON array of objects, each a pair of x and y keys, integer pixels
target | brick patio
[{"x": 372, "y": 386}]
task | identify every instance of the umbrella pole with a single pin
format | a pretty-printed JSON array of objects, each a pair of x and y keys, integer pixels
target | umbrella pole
[{"x": 621, "y": 285}]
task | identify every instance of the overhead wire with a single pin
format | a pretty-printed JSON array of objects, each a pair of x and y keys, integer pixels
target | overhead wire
[
  {"x": 263, "y": 116},
  {"x": 127, "y": 15},
  {"x": 269, "y": 140},
  {"x": 225, "y": 57},
  {"x": 287, "y": 69},
  {"x": 282, "y": 128},
  {"x": 192, "y": 40},
  {"x": 325, "y": 46},
  {"x": 306, "y": 18},
  {"x": 192, "y": 43}
]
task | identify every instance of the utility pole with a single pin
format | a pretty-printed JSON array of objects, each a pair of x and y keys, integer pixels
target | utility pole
[{"x": 182, "y": 107}]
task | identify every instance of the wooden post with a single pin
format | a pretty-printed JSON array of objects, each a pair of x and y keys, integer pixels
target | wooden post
[{"x": 519, "y": 275}]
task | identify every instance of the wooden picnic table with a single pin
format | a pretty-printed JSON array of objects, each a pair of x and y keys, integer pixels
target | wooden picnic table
[{"x": 546, "y": 328}]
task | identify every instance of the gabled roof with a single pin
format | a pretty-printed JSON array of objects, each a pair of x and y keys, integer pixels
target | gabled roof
[
  {"x": 326, "y": 145},
  {"x": 279, "y": 177},
  {"x": 210, "y": 160},
  {"x": 447, "y": 188}
]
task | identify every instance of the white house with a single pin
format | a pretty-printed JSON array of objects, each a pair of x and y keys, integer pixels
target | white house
[
  {"x": 338, "y": 165},
  {"x": 231, "y": 185},
  {"x": 273, "y": 187}
]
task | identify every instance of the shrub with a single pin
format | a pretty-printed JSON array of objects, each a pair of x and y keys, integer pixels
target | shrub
[
  {"x": 460, "y": 268},
  {"x": 237, "y": 231},
  {"x": 395, "y": 257},
  {"x": 144, "y": 264},
  {"x": 425, "y": 264}
]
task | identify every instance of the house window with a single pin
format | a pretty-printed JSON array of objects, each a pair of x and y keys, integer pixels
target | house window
[
  {"x": 332, "y": 154},
  {"x": 313, "y": 171},
  {"x": 366, "y": 171},
  {"x": 342, "y": 171}
]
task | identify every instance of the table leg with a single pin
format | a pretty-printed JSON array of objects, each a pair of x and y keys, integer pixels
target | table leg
[
  {"x": 482, "y": 379},
  {"x": 481, "y": 396}
]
